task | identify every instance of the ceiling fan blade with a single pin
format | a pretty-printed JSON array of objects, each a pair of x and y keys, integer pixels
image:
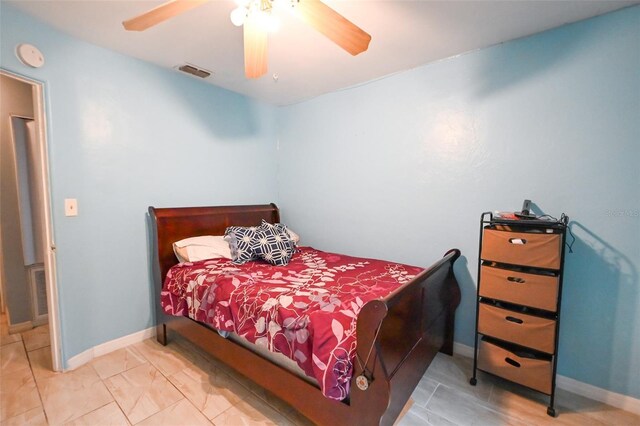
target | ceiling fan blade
[
  {"x": 255, "y": 48},
  {"x": 336, "y": 27},
  {"x": 160, "y": 14}
]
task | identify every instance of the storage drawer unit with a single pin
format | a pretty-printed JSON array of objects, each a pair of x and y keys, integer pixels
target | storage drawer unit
[
  {"x": 520, "y": 271},
  {"x": 528, "y": 371},
  {"x": 533, "y": 290},
  {"x": 522, "y": 248},
  {"x": 527, "y": 330}
]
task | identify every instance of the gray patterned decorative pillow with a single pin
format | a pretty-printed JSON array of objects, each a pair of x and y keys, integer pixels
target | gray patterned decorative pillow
[
  {"x": 240, "y": 241},
  {"x": 273, "y": 244},
  {"x": 281, "y": 227}
]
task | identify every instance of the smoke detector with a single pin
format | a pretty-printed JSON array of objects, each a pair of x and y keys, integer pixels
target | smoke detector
[
  {"x": 194, "y": 70},
  {"x": 30, "y": 55}
]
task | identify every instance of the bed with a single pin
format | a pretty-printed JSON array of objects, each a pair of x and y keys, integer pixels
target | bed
[{"x": 397, "y": 336}]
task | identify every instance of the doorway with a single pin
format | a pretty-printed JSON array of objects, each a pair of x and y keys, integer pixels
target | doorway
[{"x": 28, "y": 292}]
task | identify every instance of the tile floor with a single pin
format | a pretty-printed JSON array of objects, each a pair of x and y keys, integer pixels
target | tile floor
[{"x": 148, "y": 384}]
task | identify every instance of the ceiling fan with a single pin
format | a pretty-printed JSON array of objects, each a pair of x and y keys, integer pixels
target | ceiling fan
[{"x": 254, "y": 14}]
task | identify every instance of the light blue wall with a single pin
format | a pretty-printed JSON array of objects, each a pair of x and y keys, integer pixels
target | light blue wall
[
  {"x": 402, "y": 168},
  {"x": 398, "y": 169},
  {"x": 124, "y": 135}
]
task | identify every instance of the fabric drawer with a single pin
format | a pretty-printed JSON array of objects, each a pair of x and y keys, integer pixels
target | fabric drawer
[
  {"x": 522, "y": 248},
  {"x": 536, "y": 291},
  {"x": 532, "y": 372},
  {"x": 526, "y": 330}
]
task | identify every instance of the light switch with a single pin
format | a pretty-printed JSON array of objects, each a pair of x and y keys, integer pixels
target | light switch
[{"x": 70, "y": 207}]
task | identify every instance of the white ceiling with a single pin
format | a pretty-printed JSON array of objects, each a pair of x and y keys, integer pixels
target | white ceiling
[{"x": 405, "y": 34}]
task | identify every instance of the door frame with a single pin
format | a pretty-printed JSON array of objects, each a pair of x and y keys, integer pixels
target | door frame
[{"x": 40, "y": 118}]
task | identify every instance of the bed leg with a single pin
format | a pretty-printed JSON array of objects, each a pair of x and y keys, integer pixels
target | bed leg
[
  {"x": 161, "y": 334},
  {"x": 447, "y": 345}
]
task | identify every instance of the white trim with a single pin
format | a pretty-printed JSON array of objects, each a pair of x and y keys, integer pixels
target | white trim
[
  {"x": 108, "y": 347},
  {"x": 42, "y": 321},
  {"x": 50, "y": 263},
  {"x": 40, "y": 118},
  {"x": 79, "y": 360},
  {"x": 21, "y": 327},
  {"x": 124, "y": 341},
  {"x": 614, "y": 399},
  {"x": 624, "y": 402},
  {"x": 462, "y": 350}
]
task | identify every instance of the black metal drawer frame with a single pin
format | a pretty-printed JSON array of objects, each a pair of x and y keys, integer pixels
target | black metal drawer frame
[{"x": 488, "y": 221}]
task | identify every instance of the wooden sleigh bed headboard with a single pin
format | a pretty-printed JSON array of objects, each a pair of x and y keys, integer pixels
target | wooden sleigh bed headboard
[
  {"x": 174, "y": 224},
  {"x": 399, "y": 335}
]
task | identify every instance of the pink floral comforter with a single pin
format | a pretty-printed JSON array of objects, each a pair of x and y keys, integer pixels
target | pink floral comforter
[{"x": 306, "y": 310}]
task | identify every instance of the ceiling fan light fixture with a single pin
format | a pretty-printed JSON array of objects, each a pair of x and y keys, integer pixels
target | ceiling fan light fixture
[
  {"x": 257, "y": 20},
  {"x": 269, "y": 22},
  {"x": 238, "y": 16},
  {"x": 260, "y": 9},
  {"x": 283, "y": 4}
]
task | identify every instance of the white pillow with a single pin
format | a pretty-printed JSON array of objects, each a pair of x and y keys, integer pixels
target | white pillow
[
  {"x": 201, "y": 248},
  {"x": 295, "y": 237}
]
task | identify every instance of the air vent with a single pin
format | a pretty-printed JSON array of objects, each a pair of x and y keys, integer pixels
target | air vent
[
  {"x": 193, "y": 70},
  {"x": 38, "y": 292}
]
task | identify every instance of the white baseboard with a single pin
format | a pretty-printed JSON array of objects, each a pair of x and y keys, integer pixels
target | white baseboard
[
  {"x": 462, "y": 350},
  {"x": 20, "y": 327},
  {"x": 79, "y": 360},
  {"x": 108, "y": 347},
  {"x": 624, "y": 402},
  {"x": 40, "y": 321},
  {"x": 614, "y": 399}
]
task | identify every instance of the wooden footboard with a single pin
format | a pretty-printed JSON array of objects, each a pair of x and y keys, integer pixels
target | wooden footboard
[
  {"x": 416, "y": 322},
  {"x": 398, "y": 337}
]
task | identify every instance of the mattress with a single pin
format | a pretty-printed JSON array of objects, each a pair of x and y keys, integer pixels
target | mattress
[{"x": 306, "y": 311}]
